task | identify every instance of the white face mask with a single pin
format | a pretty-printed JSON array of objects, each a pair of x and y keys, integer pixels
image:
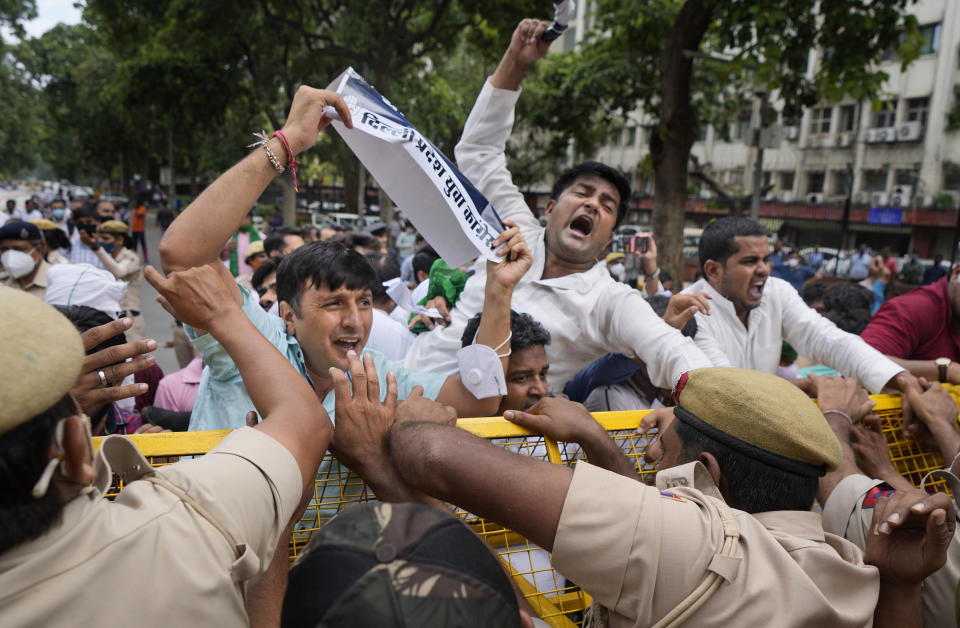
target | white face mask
[
  {"x": 793, "y": 263},
  {"x": 18, "y": 263}
]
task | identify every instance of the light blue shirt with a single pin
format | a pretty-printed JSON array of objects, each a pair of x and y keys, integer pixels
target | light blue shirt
[{"x": 222, "y": 400}]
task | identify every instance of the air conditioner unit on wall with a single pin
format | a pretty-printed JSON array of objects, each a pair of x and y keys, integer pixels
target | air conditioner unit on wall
[
  {"x": 909, "y": 131},
  {"x": 901, "y": 195},
  {"x": 786, "y": 196},
  {"x": 891, "y": 134},
  {"x": 816, "y": 198},
  {"x": 862, "y": 197},
  {"x": 870, "y": 136},
  {"x": 878, "y": 199}
]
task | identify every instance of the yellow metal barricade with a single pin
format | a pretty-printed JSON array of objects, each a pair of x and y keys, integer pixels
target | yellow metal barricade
[{"x": 559, "y": 603}]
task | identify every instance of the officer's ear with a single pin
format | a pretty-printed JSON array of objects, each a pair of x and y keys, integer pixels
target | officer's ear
[{"x": 713, "y": 468}]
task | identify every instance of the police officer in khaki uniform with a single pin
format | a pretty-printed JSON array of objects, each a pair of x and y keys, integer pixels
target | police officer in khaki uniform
[
  {"x": 180, "y": 544},
  {"x": 22, "y": 263},
  {"x": 730, "y": 540}
]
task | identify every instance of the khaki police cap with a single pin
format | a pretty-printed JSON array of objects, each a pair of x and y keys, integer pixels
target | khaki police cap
[
  {"x": 252, "y": 249},
  {"x": 760, "y": 415},
  {"x": 42, "y": 356},
  {"x": 44, "y": 225},
  {"x": 114, "y": 226}
]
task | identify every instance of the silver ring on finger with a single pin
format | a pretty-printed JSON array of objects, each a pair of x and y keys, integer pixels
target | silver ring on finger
[{"x": 103, "y": 378}]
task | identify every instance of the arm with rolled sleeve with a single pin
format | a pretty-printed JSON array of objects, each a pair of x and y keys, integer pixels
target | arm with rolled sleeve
[
  {"x": 819, "y": 339},
  {"x": 481, "y": 157},
  {"x": 632, "y": 326},
  {"x": 221, "y": 365}
]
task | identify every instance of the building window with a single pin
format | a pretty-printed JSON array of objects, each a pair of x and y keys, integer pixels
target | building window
[
  {"x": 848, "y": 118},
  {"x": 886, "y": 115},
  {"x": 743, "y": 125},
  {"x": 632, "y": 136},
  {"x": 875, "y": 180},
  {"x": 736, "y": 176},
  {"x": 786, "y": 181},
  {"x": 951, "y": 176},
  {"x": 814, "y": 182},
  {"x": 820, "y": 120},
  {"x": 841, "y": 183},
  {"x": 931, "y": 38},
  {"x": 918, "y": 109},
  {"x": 905, "y": 177}
]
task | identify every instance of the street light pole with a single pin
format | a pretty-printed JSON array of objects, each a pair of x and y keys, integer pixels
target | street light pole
[{"x": 760, "y": 112}]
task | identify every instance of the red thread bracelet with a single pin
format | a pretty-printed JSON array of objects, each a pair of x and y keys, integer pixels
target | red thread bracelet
[{"x": 291, "y": 162}]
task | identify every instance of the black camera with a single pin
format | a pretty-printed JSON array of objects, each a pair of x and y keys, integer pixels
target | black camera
[
  {"x": 638, "y": 243},
  {"x": 89, "y": 228}
]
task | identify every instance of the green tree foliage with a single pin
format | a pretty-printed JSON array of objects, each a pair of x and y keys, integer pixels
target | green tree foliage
[{"x": 639, "y": 58}]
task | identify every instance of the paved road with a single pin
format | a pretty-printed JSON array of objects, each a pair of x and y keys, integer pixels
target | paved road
[{"x": 159, "y": 323}]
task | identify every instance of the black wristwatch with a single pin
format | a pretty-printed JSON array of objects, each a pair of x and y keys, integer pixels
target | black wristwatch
[{"x": 942, "y": 365}]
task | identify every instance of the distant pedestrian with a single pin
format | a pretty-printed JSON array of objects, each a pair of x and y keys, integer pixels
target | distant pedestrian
[
  {"x": 815, "y": 258},
  {"x": 138, "y": 228},
  {"x": 860, "y": 263},
  {"x": 935, "y": 272},
  {"x": 276, "y": 220},
  {"x": 164, "y": 217}
]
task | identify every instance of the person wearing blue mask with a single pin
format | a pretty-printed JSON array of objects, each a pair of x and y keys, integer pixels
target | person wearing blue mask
[
  {"x": 60, "y": 215},
  {"x": 114, "y": 253}
]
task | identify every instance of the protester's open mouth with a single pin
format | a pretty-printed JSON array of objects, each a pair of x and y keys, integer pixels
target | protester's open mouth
[
  {"x": 756, "y": 290},
  {"x": 581, "y": 225},
  {"x": 348, "y": 344}
]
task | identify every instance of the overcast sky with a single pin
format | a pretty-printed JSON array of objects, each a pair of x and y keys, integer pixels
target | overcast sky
[{"x": 49, "y": 14}]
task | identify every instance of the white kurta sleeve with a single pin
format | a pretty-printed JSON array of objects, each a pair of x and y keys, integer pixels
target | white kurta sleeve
[
  {"x": 481, "y": 157},
  {"x": 634, "y": 328},
  {"x": 816, "y": 337}
]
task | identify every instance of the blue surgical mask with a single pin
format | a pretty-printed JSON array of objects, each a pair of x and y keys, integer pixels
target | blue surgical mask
[
  {"x": 58, "y": 214},
  {"x": 108, "y": 246}
]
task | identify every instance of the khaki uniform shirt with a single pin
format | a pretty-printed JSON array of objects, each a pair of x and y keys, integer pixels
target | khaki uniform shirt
[
  {"x": 849, "y": 512},
  {"x": 37, "y": 287},
  {"x": 148, "y": 559},
  {"x": 640, "y": 552}
]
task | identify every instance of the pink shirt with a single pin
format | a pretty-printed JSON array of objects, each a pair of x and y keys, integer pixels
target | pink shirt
[{"x": 178, "y": 391}]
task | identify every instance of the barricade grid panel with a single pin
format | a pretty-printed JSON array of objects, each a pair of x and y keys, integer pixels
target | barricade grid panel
[{"x": 559, "y": 602}]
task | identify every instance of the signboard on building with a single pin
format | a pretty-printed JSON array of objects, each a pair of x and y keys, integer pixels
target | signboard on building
[{"x": 885, "y": 216}]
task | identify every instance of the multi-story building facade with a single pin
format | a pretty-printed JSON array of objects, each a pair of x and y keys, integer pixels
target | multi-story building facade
[{"x": 903, "y": 154}]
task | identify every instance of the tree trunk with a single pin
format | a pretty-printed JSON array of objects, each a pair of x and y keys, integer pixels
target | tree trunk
[
  {"x": 670, "y": 145},
  {"x": 350, "y": 185},
  {"x": 386, "y": 215}
]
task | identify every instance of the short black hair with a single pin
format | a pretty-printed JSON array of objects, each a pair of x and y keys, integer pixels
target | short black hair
[
  {"x": 525, "y": 332},
  {"x": 423, "y": 259},
  {"x": 353, "y": 239},
  {"x": 87, "y": 210},
  {"x": 266, "y": 267},
  {"x": 612, "y": 175},
  {"x": 386, "y": 268},
  {"x": 325, "y": 263},
  {"x": 753, "y": 486},
  {"x": 717, "y": 240},
  {"x": 813, "y": 291},
  {"x": 276, "y": 240},
  {"x": 24, "y": 452},
  {"x": 55, "y": 239},
  {"x": 658, "y": 303},
  {"x": 848, "y": 306},
  {"x": 85, "y": 318}
]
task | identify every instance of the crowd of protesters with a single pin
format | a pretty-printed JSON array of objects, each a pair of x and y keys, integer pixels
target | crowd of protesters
[{"x": 363, "y": 342}]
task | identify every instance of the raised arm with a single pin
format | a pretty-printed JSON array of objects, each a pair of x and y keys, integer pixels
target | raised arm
[
  {"x": 494, "y": 330},
  {"x": 455, "y": 466},
  {"x": 197, "y": 235},
  {"x": 292, "y": 413},
  {"x": 480, "y": 152}
]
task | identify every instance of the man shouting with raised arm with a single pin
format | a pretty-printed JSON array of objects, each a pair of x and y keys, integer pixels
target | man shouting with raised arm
[
  {"x": 323, "y": 290},
  {"x": 587, "y": 313}
]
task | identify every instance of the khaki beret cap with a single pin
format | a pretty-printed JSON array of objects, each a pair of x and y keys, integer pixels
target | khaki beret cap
[
  {"x": 42, "y": 356},
  {"x": 114, "y": 226},
  {"x": 760, "y": 415},
  {"x": 252, "y": 249}
]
